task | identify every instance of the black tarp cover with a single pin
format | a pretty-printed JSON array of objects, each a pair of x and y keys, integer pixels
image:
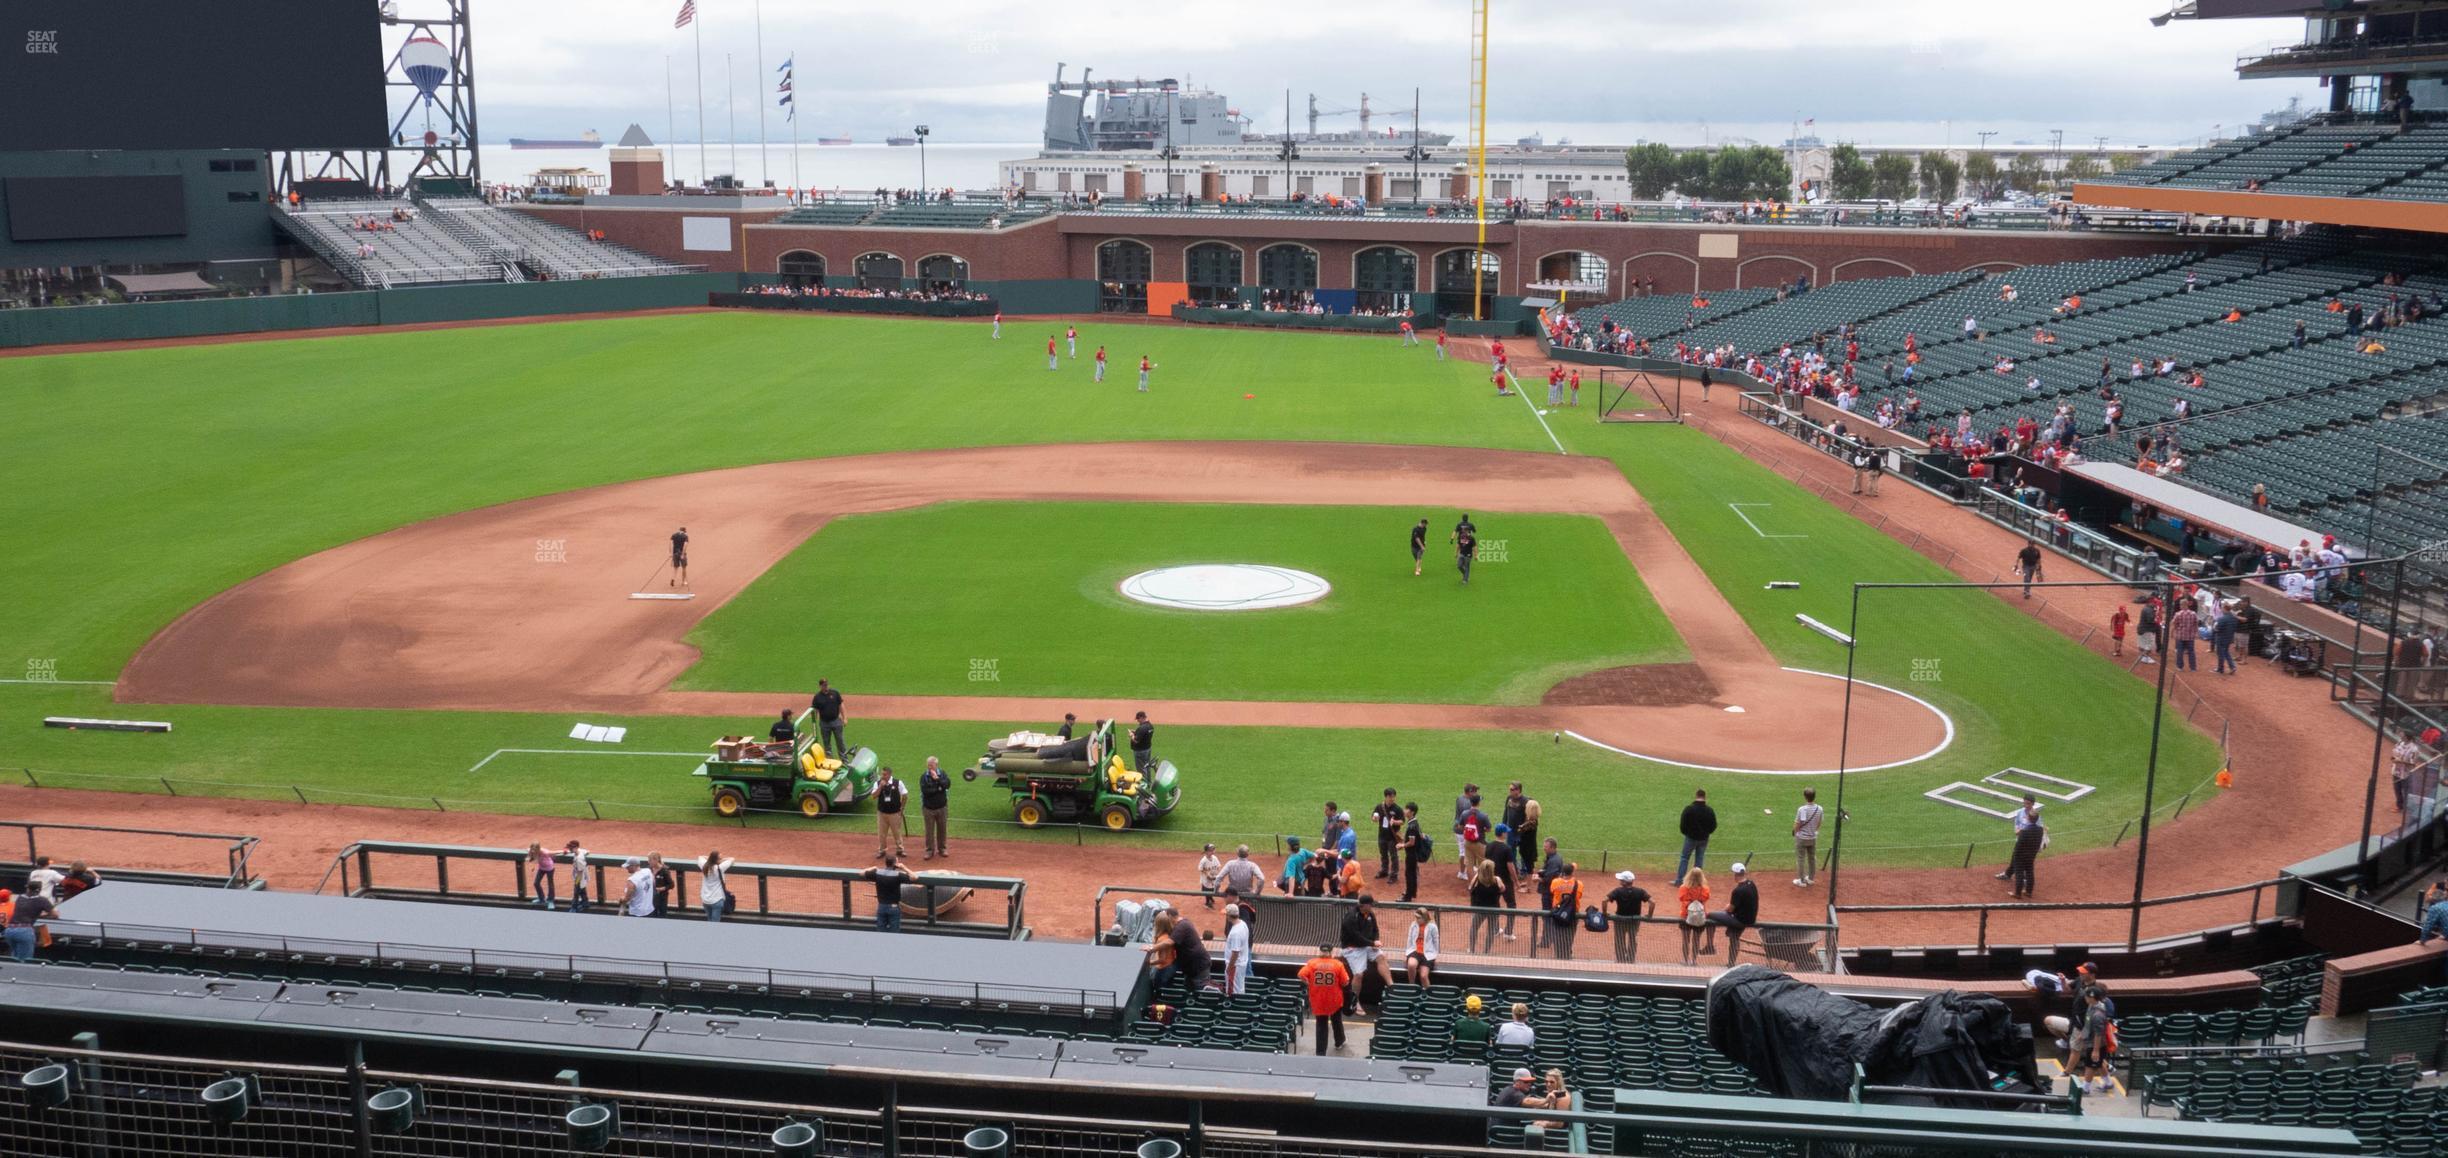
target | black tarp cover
[{"x": 1801, "y": 1041}]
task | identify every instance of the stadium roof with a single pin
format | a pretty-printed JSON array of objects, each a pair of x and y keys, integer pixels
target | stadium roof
[
  {"x": 2251, "y": 9},
  {"x": 2177, "y": 500}
]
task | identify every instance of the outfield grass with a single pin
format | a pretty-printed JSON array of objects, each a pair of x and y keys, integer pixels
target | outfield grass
[
  {"x": 927, "y": 602},
  {"x": 147, "y": 481}
]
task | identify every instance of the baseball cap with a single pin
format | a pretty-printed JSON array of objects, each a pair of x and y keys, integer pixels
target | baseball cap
[
  {"x": 1624, "y": 876},
  {"x": 1522, "y": 1074},
  {"x": 1211, "y": 846},
  {"x": 1343, "y": 816},
  {"x": 1504, "y": 830},
  {"x": 1292, "y": 842},
  {"x": 1473, "y": 1003},
  {"x": 1739, "y": 869}
]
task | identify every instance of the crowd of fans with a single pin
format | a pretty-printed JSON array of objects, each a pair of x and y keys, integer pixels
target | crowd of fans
[{"x": 936, "y": 292}]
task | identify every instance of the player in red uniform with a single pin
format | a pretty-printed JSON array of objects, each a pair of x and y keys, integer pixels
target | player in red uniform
[
  {"x": 1440, "y": 345},
  {"x": 998, "y": 324},
  {"x": 1071, "y": 338},
  {"x": 1100, "y": 363},
  {"x": 1144, "y": 367},
  {"x": 1408, "y": 338},
  {"x": 1576, "y": 388},
  {"x": 1053, "y": 360}
]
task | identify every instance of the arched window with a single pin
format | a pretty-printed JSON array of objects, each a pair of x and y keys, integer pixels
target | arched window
[
  {"x": 1213, "y": 270},
  {"x": 943, "y": 272},
  {"x": 1454, "y": 280},
  {"x": 1291, "y": 268},
  {"x": 1385, "y": 277},
  {"x": 1125, "y": 268},
  {"x": 879, "y": 271},
  {"x": 1575, "y": 267},
  {"x": 801, "y": 269}
]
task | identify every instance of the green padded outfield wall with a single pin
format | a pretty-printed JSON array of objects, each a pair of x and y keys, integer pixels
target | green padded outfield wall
[{"x": 227, "y": 198}]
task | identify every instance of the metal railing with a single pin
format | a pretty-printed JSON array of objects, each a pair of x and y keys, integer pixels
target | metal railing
[
  {"x": 147, "y": 1105},
  {"x": 2074, "y": 541},
  {"x": 1984, "y": 909},
  {"x": 238, "y": 947},
  {"x": 1512, "y": 936},
  {"x": 768, "y": 893},
  {"x": 235, "y": 849}
]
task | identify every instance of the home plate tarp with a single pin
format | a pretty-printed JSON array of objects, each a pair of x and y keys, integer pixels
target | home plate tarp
[{"x": 1801, "y": 1041}]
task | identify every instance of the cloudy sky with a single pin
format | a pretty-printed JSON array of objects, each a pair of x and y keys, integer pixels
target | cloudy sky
[{"x": 1871, "y": 71}]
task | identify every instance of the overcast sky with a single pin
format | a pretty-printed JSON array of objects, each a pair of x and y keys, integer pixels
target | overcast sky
[{"x": 1870, "y": 71}]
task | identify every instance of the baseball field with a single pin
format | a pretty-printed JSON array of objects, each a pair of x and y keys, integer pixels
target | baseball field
[{"x": 395, "y": 568}]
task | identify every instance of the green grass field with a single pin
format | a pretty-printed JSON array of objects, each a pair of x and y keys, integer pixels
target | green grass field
[
  {"x": 914, "y": 602},
  {"x": 149, "y": 480}
]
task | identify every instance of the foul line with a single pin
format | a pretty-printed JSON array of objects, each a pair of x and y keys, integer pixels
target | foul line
[
  {"x": 572, "y": 752},
  {"x": 1944, "y": 742},
  {"x": 1524, "y": 395},
  {"x": 84, "y": 683},
  {"x": 1737, "y": 508}
]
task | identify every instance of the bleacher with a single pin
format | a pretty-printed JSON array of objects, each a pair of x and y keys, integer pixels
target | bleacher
[
  {"x": 1663, "y": 315},
  {"x": 2317, "y": 158},
  {"x": 546, "y": 249},
  {"x": 829, "y": 213},
  {"x": 413, "y": 251},
  {"x": 1819, "y": 311},
  {"x": 958, "y": 214}
]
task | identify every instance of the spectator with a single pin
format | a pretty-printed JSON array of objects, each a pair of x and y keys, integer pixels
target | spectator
[
  {"x": 1164, "y": 958},
  {"x": 2223, "y": 628},
  {"x": 1416, "y": 848},
  {"x": 2184, "y": 628},
  {"x": 1237, "y": 970},
  {"x": 1473, "y": 829},
  {"x": 665, "y": 880},
  {"x": 892, "y": 832},
  {"x": 1470, "y": 1026},
  {"x": 1691, "y": 900},
  {"x": 1190, "y": 956},
  {"x": 2146, "y": 632},
  {"x": 1565, "y": 901},
  {"x": 2095, "y": 1048},
  {"x": 1741, "y": 911},
  {"x": 1389, "y": 817},
  {"x": 1295, "y": 868},
  {"x": 1806, "y": 838},
  {"x": 1464, "y": 804},
  {"x": 1500, "y": 858},
  {"x": 1518, "y": 1031},
  {"x": 579, "y": 881},
  {"x": 1362, "y": 954},
  {"x": 1551, "y": 1096},
  {"x": 24, "y": 929},
  {"x": 714, "y": 886},
  {"x": 44, "y": 880},
  {"x": 1699, "y": 822},
  {"x": 541, "y": 867},
  {"x": 1632, "y": 904},
  {"x": 2030, "y": 837},
  {"x": 888, "y": 878},
  {"x": 1484, "y": 891},
  {"x": 2058, "y": 991},
  {"x": 2117, "y": 621},
  {"x": 1526, "y": 834},
  {"x": 1326, "y": 978},
  {"x": 1517, "y": 1094},
  {"x": 1210, "y": 874},
  {"x": 637, "y": 890},
  {"x": 1242, "y": 875}
]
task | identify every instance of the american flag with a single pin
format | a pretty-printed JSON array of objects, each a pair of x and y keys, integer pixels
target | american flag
[{"x": 688, "y": 12}]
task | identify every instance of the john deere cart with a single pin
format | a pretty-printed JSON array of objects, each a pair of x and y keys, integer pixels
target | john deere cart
[
  {"x": 749, "y": 774},
  {"x": 1077, "y": 781}
]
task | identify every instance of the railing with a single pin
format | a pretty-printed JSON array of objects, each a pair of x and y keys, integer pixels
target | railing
[
  {"x": 228, "y": 945},
  {"x": 326, "y": 1112},
  {"x": 1297, "y": 925},
  {"x": 235, "y": 849},
  {"x": 2079, "y": 543},
  {"x": 1984, "y": 909},
  {"x": 768, "y": 893}
]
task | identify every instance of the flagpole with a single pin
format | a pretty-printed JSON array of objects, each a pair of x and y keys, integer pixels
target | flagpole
[
  {"x": 671, "y": 115},
  {"x": 764, "y": 159},
  {"x": 731, "y": 114},
  {"x": 794, "y": 124},
  {"x": 703, "y": 169}
]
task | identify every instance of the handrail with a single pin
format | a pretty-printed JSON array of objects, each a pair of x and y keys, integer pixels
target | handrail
[
  {"x": 2059, "y": 906},
  {"x": 1012, "y": 926},
  {"x": 238, "y": 848},
  {"x": 878, "y": 988}
]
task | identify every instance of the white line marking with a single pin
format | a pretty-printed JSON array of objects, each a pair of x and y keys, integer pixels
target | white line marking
[
  {"x": 1944, "y": 742},
  {"x": 573, "y": 752},
  {"x": 1524, "y": 395},
  {"x": 2072, "y": 789},
  {"x": 1737, "y": 508},
  {"x": 83, "y": 683},
  {"x": 1939, "y": 794}
]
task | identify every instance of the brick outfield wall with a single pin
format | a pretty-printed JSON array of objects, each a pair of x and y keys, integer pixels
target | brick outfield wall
[{"x": 1065, "y": 247}]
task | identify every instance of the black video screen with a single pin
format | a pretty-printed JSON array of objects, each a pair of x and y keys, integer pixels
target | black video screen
[
  {"x": 191, "y": 74},
  {"x": 83, "y": 208}
]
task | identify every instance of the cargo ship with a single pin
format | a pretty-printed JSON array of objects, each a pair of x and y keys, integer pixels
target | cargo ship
[
  {"x": 832, "y": 140},
  {"x": 589, "y": 139},
  {"x": 900, "y": 142}
]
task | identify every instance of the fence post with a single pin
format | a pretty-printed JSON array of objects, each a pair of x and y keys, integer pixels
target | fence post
[
  {"x": 2180, "y": 807},
  {"x": 1981, "y": 941},
  {"x": 437, "y": 803},
  {"x": 591, "y": 808},
  {"x": 301, "y": 793},
  {"x": 30, "y": 780},
  {"x": 165, "y": 783},
  {"x": 2120, "y": 838},
  {"x": 1968, "y": 847}
]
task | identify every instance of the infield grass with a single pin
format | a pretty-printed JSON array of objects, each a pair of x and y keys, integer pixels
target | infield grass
[{"x": 1020, "y": 599}]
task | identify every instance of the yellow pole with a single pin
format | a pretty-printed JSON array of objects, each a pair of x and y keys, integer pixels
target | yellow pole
[{"x": 1479, "y": 71}]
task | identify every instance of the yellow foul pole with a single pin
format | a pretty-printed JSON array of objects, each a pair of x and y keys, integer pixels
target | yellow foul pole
[{"x": 1478, "y": 131}]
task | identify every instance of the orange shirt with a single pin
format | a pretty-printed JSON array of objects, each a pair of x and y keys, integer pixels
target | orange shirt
[
  {"x": 1326, "y": 978},
  {"x": 1686, "y": 895}
]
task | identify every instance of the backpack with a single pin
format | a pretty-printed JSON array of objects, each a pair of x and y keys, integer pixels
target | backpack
[
  {"x": 1564, "y": 916},
  {"x": 1594, "y": 920},
  {"x": 1695, "y": 914},
  {"x": 1470, "y": 828}
]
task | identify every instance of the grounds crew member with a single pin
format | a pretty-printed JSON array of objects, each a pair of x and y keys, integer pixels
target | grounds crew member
[
  {"x": 1326, "y": 978},
  {"x": 891, "y": 830},
  {"x": 1143, "y": 746},
  {"x": 783, "y": 732},
  {"x": 1389, "y": 817},
  {"x": 828, "y": 706},
  {"x": 1419, "y": 544},
  {"x": 679, "y": 559},
  {"x": 934, "y": 805}
]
